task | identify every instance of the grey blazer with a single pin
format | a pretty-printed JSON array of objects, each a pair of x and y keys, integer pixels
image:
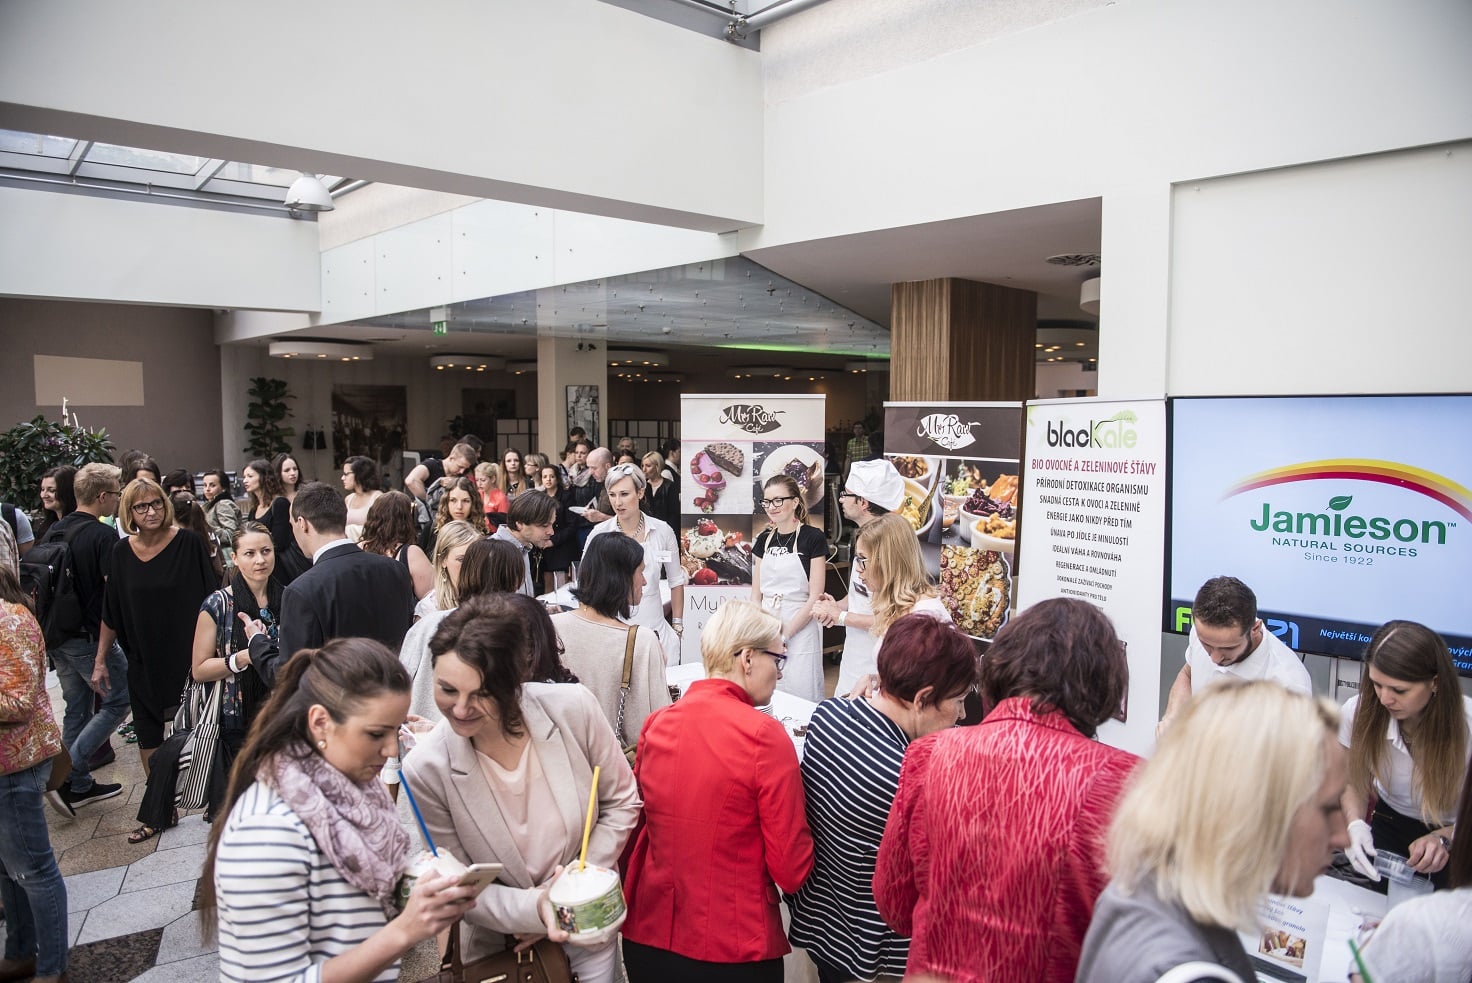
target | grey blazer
[{"x": 571, "y": 735}]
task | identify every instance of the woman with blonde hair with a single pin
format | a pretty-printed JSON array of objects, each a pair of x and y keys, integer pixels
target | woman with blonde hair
[
  {"x": 724, "y": 826},
  {"x": 659, "y": 498},
  {"x": 1410, "y": 744},
  {"x": 449, "y": 552},
  {"x": 492, "y": 499},
  {"x": 789, "y": 563},
  {"x": 460, "y": 502},
  {"x": 1242, "y": 799},
  {"x": 887, "y": 557}
]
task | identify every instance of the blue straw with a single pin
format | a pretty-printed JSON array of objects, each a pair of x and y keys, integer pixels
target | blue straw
[{"x": 404, "y": 781}]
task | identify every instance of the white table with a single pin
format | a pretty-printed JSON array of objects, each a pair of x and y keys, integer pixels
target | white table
[
  {"x": 1349, "y": 905},
  {"x": 793, "y": 711}
]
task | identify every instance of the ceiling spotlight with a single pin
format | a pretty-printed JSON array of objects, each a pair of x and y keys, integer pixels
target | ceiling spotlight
[
  {"x": 308, "y": 194},
  {"x": 347, "y": 351},
  {"x": 522, "y": 366},
  {"x": 867, "y": 365},
  {"x": 470, "y": 363},
  {"x": 637, "y": 356}
]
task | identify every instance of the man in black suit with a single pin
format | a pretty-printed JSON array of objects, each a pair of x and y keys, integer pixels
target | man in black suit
[{"x": 346, "y": 593}]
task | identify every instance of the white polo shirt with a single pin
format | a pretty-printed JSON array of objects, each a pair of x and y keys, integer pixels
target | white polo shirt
[
  {"x": 1398, "y": 791},
  {"x": 1270, "y": 660}
]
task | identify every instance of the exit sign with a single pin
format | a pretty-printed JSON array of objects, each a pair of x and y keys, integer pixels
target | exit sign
[{"x": 440, "y": 328}]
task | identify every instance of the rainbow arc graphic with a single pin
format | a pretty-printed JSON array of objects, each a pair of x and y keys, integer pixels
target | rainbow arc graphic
[{"x": 1423, "y": 482}]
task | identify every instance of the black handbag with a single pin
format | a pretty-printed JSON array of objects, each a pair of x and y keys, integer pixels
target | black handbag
[{"x": 543, "y": 962}]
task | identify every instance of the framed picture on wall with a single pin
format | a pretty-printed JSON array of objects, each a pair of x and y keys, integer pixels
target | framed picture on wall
[{"x": 582, "y": 410}]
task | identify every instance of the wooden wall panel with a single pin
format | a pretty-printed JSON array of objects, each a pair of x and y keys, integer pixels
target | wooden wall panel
[{"x": 958, "y": 340}]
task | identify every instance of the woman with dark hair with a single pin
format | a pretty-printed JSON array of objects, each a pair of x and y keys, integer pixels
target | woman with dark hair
[
  {"x": 188, "y": 515},
  {"x": 136, "y": 463},
  {"x": 488, "y": 566},
  {"x": 58, "y": 499},
  {"x": 220, "y": 510},
  {"x": 789, "y": 563},
  {"x": 31, "y": 888},
  {"x": 460, "y": 503},
  {"x": 993, "y": 855},
  {"x": 507, "y": 775},
  {"x": 1409, "y": 744},
  {"x": 389, "y": 531},
  {"x": 850, "y": 773},
  {"x": 289, "y": 473},
  {"x": 158, "y": 577},
  {"x": 596, "y": 639},
  {"x": 266, "y": 503},
  {"x": 557, "y": 558},
  {"x": 222, "y": 655},
  {"x": 1428, "y": 939},
  {"x": 300, "y": 877},
  {"x": 361, "y": 484},
  {"x": 513, "y": 482}
]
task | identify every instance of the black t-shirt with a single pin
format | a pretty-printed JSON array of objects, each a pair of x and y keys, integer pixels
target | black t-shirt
[
  {"x": 810, "y": 544},
  {"x": 91, "y": 545},
  {"x": 436, "y": 469}
]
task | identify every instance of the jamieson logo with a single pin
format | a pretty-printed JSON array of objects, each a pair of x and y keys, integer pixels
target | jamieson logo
[
  {"x": 751, "y": 417},
  {"x": 1339, "y": 521}
]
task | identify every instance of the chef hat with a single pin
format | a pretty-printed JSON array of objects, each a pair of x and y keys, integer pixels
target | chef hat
[{"x": 878, "y": 482}]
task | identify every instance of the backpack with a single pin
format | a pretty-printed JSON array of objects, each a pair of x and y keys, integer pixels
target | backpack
[
  {"x": 7, "y": 512},
  {"x": 49, "y": 576}
]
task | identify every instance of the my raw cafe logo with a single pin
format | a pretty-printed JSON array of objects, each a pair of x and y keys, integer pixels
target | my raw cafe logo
[
  {"x": 947, "y": 430},
  {"x": 751, "y": 417}
]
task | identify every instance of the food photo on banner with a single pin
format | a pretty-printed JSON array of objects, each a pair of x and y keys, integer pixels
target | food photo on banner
[
  {"x": 959, "y": 463},
  {"x": 1342, "y": 512},
  {"x": 731, "y": 445}
]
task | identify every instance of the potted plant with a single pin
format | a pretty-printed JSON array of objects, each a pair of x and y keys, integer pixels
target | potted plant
[
  {"x": 264, "y": 417},
  {"x": 31, "y": 449}
]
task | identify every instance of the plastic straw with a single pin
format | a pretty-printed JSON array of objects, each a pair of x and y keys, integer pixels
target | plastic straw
[
  {"x": 404, "y": 784},
  {"x": 587, "y": 822},
  {"x": 1360, "y": 962}
]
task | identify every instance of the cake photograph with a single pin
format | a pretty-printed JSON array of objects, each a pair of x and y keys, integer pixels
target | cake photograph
[
  {"x": 717, "y": 478},
  {"x": 716, "y": 550},
  {"x": 801, "y": 462}
]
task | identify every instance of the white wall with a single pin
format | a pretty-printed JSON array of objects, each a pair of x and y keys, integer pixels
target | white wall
[
  {"x": 1343, "y": 277},
  {"x": 82, "y": 247},
  {"x": 563, "y": 103},
  {"x": 491, "y": 248}
]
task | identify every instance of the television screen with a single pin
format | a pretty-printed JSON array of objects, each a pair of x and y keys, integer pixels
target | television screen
[{"x": 1340, "y": 512}]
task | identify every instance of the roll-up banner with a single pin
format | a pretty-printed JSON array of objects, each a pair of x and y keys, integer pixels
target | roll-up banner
[
  {"x": 1094, "y": 493},
  {"x": 959, "y": 463},
  {"x": 729, "y": 446}
]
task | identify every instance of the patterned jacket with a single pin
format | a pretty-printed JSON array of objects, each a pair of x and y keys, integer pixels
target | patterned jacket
[
  {"x": 28, "y": 731},
  {"x": 994, "y": 852}
]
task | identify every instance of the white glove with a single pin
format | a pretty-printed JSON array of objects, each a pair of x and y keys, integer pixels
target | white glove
[{"x": 1361, "y": 849}]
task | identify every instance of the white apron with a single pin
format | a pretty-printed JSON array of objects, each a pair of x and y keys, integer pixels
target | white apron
[
  {"x": 858, "y": 644},
  {"x": 784, "y": 592}
]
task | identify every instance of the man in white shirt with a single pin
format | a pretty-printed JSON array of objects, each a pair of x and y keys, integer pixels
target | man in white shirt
[{"x": 1228, "y": 639}]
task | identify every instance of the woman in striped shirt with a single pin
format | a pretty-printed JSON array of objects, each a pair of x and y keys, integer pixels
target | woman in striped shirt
[
  {"x": 850, "y": 772},
  {"x": 301, "y": 876}
]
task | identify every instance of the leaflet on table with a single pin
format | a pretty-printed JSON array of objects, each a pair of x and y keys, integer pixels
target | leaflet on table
[
  {"x": 730, "y": 446},
  {"x": 1289, "y": 943},
  {"x": 959, "y": 462}
]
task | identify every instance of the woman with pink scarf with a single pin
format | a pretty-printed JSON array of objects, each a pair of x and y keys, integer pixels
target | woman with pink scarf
[{"x": 301, "y": 873}]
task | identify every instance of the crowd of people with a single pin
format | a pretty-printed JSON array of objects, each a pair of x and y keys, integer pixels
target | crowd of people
[{"x": 347, "y": 634}]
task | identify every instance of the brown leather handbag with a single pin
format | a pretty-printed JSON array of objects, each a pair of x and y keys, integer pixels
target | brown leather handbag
[{"x": 544, "y": 962}]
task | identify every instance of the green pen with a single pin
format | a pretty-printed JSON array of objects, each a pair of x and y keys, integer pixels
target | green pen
[{"x": 1360, "y": 962}]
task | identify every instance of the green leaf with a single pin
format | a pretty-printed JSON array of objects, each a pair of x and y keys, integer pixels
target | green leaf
[{"x": 1340, "y": 502}]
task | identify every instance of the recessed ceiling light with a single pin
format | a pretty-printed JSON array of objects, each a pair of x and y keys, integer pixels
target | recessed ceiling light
[{"x": 348, "y": 351}]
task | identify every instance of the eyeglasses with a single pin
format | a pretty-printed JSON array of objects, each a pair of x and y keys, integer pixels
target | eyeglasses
[
  {"x": 780, "y": 657},
  {"x": 143, "y": 508},
  {"x": 113, "y": 492},
  {"x": 861, "y": 561},
  {"x": 777, "y": 503}
]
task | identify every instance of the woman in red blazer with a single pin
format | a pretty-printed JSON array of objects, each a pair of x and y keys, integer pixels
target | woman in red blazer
[
  {"x": 994, "y": 851},
  {"x": 724, "y": 817}
]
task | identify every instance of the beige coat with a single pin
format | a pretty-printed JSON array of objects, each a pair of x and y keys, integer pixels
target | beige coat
[{"x": 571, "y": 736}]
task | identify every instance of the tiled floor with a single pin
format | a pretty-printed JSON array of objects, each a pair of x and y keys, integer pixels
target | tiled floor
[{"x": 131, "y": 907}]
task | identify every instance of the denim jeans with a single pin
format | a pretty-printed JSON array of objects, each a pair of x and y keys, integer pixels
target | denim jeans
[
  {"x": 82, "y": 730},
  {"x": 31, "y": 887}
]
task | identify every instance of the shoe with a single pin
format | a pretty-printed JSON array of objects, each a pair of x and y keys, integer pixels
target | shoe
[
  {"x": 142, "y": 834},
  {"x": 57, "y": 801},
  {"x": 19, "y": 970},
  {"x": 102, "y": 757},
  {"x": 98, "y": 792}
]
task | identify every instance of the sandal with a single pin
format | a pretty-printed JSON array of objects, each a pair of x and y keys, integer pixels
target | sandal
[{"x": 142, "y": 834}]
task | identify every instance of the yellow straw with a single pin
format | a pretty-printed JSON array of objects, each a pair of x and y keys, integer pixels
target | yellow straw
[{"x": 588, "y": 822}]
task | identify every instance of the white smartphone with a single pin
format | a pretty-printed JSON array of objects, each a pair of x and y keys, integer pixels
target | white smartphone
[{"x": 479, "y": 876}]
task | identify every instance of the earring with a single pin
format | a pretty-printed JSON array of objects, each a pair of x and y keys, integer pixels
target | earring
[{"x": 322, "y": 745}]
